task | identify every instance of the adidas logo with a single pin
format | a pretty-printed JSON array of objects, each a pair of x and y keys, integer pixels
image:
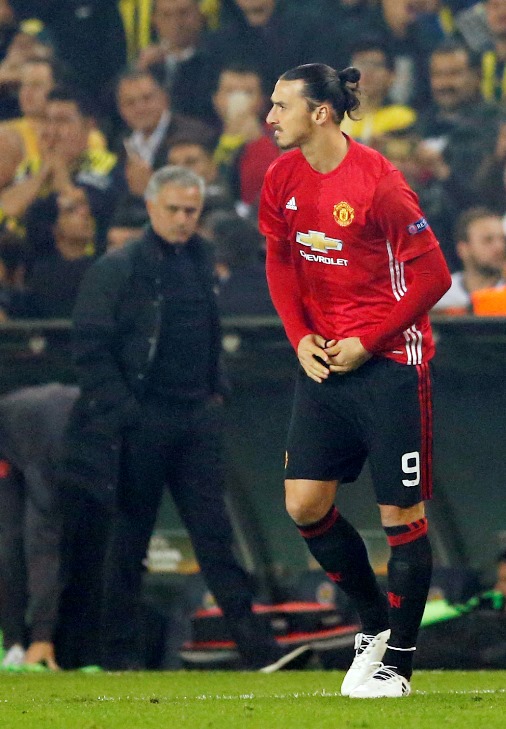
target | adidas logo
[{"x": 291, "y": 204}]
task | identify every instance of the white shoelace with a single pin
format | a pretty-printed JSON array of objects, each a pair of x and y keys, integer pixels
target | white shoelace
[
  {"x": 383, "y": 673},
  {"x": 362, "y": 643}
]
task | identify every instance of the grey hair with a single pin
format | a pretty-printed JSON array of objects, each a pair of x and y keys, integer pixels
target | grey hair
[{"x": 172, "y": 174}]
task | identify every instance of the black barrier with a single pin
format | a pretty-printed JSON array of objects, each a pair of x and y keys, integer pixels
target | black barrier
[{"x": 468, "y": 514}]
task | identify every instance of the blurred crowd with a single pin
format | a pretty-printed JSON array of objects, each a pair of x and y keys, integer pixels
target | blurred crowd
[{"x": 95, "y": 95}]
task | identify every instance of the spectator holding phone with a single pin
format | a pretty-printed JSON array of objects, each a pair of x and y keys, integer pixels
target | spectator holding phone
[{"x": 245, "y": 148}]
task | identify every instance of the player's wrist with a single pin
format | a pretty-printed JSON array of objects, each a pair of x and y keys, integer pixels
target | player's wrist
[{"x": 368, "y": 343}]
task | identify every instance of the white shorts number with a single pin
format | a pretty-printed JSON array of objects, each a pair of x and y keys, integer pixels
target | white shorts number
[{"x": 411, "y": 465}]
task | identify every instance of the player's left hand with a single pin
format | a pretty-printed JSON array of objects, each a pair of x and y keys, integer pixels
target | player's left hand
[{"x": 346, "y": 355}]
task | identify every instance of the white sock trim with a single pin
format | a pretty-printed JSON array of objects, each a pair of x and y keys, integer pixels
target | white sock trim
[{"x": 391, "y": 648}]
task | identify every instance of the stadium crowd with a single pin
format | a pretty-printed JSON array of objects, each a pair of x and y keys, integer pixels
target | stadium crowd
[{"x": 96, "y": 95}]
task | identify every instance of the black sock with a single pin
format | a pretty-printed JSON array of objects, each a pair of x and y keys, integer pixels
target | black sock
[
  {"x": 409, "y": 574},
  {"x": 340, "y": 550}
]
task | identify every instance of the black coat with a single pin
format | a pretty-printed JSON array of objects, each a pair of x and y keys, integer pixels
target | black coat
[{"x": 117, "y": 323}]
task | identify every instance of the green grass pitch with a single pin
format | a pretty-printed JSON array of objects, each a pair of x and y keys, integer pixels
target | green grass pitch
[{"x": 226, "y": 700}]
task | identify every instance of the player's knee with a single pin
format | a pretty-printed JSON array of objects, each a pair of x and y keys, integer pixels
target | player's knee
[
  {"x": 303, "y": 514},
  {"x": 305, "y": 506},
  {"x": 406, "y": 534},
  {"x": 396, "y": 515}
]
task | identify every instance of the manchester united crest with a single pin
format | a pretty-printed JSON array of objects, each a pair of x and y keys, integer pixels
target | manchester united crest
[{"x": 343, "y": 214}]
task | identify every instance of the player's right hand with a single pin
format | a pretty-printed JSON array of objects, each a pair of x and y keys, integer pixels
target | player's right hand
[{"x": 313, "y": 358}]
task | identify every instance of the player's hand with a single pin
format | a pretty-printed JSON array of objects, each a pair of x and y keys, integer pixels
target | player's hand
[
  {"x": 345, "y": 355},
  {"x": 310, "y": 348},
  {"x": 41, "y": 651}
]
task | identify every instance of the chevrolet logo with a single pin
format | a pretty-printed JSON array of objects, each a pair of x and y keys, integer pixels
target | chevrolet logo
[{"x": 318, "y": 241}]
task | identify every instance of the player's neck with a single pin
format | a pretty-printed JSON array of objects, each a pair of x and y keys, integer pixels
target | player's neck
[{"x": 326, "y": 152}]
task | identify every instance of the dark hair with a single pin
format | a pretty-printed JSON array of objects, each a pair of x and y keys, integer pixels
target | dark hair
[
  {"x": 501, "y": 557},
  {"x": 323, "y": 83},
  {"x": 181, "y": 140},
  {"x": 236, "y": 240},
  {"x": 469, "y": 216},
  {"x": 371, "y": 42},
  {"x": 135, "y": 74},
  {"x": 453, "y": 45},
  {"x": 71, "y": 94},
  {"x": 242, "y": 68}
]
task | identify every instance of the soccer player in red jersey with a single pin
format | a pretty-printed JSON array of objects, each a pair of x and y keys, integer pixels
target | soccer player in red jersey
[{"x": 353, "y": 268}]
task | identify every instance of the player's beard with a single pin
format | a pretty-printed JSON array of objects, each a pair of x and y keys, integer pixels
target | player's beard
[
  {"x": 297, "y": 141},
  {"x": 285, "y": 146}
]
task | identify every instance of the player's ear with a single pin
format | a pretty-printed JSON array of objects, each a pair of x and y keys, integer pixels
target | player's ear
[{"x": 321, "y": 113}]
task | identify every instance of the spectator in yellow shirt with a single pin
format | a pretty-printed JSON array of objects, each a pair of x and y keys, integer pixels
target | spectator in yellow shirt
[{"x": 19, "y": 138}]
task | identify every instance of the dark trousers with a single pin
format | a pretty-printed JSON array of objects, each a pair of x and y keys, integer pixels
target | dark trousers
[
  {"x": 181, "y": 448},
  {"x": 84, "y": 542},
  {"x": 29, "y": 557}
]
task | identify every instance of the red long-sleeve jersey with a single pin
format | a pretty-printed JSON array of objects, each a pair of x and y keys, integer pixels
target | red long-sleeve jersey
[{"x": 349, "y": 253}]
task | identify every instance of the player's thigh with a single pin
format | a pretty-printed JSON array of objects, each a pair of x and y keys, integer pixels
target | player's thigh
[
  {"x": 400, "y": 434},
  {"x": 325, "y": 442}
]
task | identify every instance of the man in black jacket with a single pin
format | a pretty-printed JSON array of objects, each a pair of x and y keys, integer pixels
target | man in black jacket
[{"x": 147, "y": 348}]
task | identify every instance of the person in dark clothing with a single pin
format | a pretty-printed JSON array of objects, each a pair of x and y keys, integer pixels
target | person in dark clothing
[
  {"x": 53, "y": 538},
  {"x": 54, "y": 279},
  {"x": 240, "y": 268},
  {"x": 147, "y": 349},
  {"x": 32, "y": 421},
  {"x": 457, "y": 130},
  {"x": 270, "y": 35},
  {"x": 88, "y": 37},
  {"x": 145, "y": 108},
  {"x": 177, "y": 56}
]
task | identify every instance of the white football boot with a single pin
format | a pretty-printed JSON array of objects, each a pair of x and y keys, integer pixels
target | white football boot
[
  {"x": 385, "y": 683},
  {"x": 369, "y": 650}
]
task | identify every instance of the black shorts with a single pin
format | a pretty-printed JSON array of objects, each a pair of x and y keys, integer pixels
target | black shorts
[{"x": 382, "y": 411}]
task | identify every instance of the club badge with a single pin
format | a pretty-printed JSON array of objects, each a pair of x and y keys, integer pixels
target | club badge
[{"x": 343, "y": 214}]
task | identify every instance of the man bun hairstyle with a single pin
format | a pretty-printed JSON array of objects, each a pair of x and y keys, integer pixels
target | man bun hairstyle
[
  {"x": 349, "y": 78},
  {"x": 323, "y": 83}
]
